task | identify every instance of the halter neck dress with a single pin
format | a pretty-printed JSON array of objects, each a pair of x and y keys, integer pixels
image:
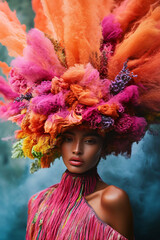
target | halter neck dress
[{"x": 61, "y": 212}]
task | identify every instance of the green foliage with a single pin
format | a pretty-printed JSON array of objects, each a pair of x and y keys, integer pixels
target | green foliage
[
  {"x": 38, "y": 155},
  {"x": 17, "y": 151},
  {"x": 35, "y": 166}
]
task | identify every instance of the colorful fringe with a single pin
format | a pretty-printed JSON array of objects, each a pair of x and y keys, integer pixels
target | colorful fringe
[{"x": 61, "y": 212}]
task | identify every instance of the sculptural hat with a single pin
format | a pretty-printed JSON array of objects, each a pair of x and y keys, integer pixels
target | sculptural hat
[{"x": 91, "y": 64}]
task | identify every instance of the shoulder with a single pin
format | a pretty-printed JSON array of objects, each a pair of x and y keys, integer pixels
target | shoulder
[
  {"x": 116, "y": 204},
  {"x": 114, "y": 197}
]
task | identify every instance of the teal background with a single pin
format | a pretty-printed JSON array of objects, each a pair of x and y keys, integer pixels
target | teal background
[{"x": 139, "y": 175}]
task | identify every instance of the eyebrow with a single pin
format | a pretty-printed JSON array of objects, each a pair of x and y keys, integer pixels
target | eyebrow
[{"x": 85, "y": 135}]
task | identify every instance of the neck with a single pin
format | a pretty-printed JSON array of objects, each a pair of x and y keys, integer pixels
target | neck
[{"x": 80, "y": 184}]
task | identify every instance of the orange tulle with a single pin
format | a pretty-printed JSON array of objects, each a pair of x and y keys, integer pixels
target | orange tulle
[
  {"x": 41, "y": 21},
  {"x": 130, "y": 11},
  {"x": 109, "y": 110},
  {"x": 84, "y": 96},
  {"x": 58, "y": 84},
  {"x": 70, "y": 99},
  {"x": 74, "y": 23},
  {"x": 57, "y": 124},
  {"x": 141, "y": 42},
  {"x": 12, "y": 34},
  {"x": 105, "y": 7},
  {"x": 149, "y": 99},
  {"x": 81, "y": 21},
  {"x": 142, "y": 47},
  {"x": 46, "y": 161},
  {"x": 37, "y": 122},
  {"x": 33, "y": 123},
  {"x": 5, "y": 68},
  {"x": 55, "y": 21},
  {"x": 74, "y": 74}
]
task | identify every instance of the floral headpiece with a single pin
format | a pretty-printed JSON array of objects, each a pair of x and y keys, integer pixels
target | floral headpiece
[{"x": 86, "y": 63}]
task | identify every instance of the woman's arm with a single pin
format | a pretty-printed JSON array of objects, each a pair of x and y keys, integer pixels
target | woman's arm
[{"x": 116, "y": 204}]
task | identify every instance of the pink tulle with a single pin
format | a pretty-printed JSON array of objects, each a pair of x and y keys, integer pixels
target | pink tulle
[
  {"x": 6, "y": 90},
  {"x": 47, "y": 104},
  {"x": 39, "y": 60},
  {"x": 111, "y": 28},
  {"x": 17, "y": 119},
  {"x": 139, "y": 127},
  {"x": 32, "y": 72},
  {"x": 11, "y": 109},
  {"x": 92, "y": 116},
  {"x": 129, "y": 94},
  {"x": 17, "y": 81},
  {"x": 40, "y": 50},
  {"x": 131, "y": 124},
  {"x": 43, "y": 88}
]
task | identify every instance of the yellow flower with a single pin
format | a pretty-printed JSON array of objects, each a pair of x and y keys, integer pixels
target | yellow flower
[
  {"x": 27, "y": 146},
  {"x": 43, "y": 144}
]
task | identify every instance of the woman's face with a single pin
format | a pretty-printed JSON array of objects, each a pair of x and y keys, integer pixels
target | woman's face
[{"x": 81, "y": 149}]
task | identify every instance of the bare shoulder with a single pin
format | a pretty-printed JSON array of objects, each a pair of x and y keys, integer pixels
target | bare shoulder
[
  {"x": 116, "y": 204},
  {"x": 113, "y": 196}
]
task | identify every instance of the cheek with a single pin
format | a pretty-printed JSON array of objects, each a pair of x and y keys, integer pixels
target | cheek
[
  {"x": 94, "y": 153},
  {"x": 63, "y": 150}
]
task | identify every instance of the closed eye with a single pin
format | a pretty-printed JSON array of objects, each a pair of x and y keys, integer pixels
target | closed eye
[
  {"x": 67, "y": 138},
  {"x": 90, "y": 141}
]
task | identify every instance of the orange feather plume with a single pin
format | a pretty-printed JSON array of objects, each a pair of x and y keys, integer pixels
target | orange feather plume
[{"x": 12, "y": 34}]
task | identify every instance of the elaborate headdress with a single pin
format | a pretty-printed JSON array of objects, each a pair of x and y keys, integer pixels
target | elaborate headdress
[{"x": 86, "y": 63}]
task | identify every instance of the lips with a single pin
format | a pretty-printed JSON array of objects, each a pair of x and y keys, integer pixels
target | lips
[{"x": 76, "y": 161}]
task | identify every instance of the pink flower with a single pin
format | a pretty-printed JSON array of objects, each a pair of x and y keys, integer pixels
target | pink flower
[{"x": 17, "y": 81}]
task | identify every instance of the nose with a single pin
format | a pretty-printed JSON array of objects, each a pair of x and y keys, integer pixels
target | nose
[{"x": 77, "y": 148}]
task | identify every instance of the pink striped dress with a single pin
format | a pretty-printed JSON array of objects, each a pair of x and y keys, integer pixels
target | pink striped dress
[{"x": 61, "y": 212}]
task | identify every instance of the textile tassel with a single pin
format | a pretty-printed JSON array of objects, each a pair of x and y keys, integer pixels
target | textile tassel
[{"x": 61, "y": 211}]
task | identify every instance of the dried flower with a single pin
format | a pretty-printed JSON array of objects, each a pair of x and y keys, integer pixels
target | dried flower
[
  {"x": 121, "y": 80},
  {"x": 107, "y": 122}
]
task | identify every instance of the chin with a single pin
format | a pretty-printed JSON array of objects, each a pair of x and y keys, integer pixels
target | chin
[{"x": 78, "y": 170}]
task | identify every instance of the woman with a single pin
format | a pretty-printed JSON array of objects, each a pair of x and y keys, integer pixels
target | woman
[
  {"x": 84, "y": 206},
  {"x": 74, "y": 74}
]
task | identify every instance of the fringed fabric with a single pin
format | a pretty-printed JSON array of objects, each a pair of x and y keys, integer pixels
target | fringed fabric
[{"x": 61, "y": 212}]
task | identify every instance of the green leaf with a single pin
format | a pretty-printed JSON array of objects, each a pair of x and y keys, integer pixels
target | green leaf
[
  {"x": 35, "y": 166},
  {"x": 17, "y": 151},
  {"x": 35, "y": 154}
]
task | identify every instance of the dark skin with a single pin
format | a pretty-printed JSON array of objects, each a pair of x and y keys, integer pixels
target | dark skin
[{"x": 81, "y": 151}]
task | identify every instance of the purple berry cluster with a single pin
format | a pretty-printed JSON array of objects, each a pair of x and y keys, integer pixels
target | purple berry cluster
[
  {"x": 27, "y": 97},
  {"x": 107, "y": 122},
  {"x": 121, "y": 80}
]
